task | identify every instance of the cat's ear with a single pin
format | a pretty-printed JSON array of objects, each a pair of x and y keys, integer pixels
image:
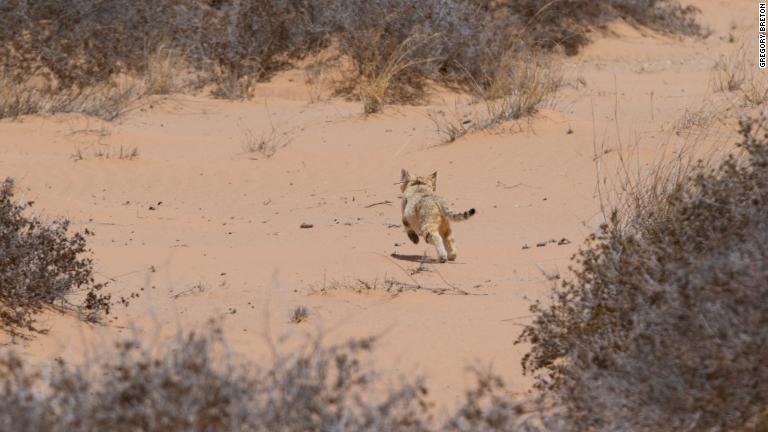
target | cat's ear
[
  {"x": 404, "y": 175},
  {"x": 432, "y": 179}
]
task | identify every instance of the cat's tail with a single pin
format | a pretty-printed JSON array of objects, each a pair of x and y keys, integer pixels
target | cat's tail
[{"x": 458, "y": 216}]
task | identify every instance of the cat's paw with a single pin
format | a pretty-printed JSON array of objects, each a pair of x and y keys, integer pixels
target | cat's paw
[{"x": 414, "y": 237}]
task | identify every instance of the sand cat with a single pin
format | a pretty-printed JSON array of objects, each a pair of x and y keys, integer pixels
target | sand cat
[{"x": 427, "y": 215}]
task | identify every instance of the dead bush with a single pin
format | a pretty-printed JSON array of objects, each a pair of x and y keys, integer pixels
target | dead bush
[
  {"x": 41, "y": 265},
  {"x": 663, "y": 326}
]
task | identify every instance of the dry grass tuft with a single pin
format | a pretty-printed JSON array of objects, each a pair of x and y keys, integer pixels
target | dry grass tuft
[
  {"x": 709, "y": 112},
  {"x": 266, "y": 144},
  {"x": 387, "y": 80},
  {"x": 387, "y": 285},
  {"x": 729, "y": 72},
  {"x": 165, "y": 71},
  {"x": 516, "y": 92},
  {"x": 299, "y": 315},
  {"x": 105, "y": 152},
  {"x": 737, "y": 74}
]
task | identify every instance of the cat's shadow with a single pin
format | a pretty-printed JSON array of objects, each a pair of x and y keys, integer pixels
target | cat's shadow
[{"x": 414, "y": 258}]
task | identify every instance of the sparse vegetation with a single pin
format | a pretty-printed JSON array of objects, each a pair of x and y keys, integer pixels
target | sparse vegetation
[
  {"x": 381, "y": 78},
  {"x": 520, "y": 91},
  {"x": 266, "y": 144},
  {"x": 105, "y": 152},
  {"x": 197, "y": 288},
  {"x": 42, "y": 264},
  {"x": 107, "y": 100},
  {"x": 196, "y": 383},
  {"x": 698, "y": 117},
  {"x": 299, "y": 315},
  {"x": 737, "y": 74},
  {"x": 729, "y": 73},
  {"x": 566, "y": 24},
  {"x": 80, "y": 49},
  {"x": 163, "y": 73},
  {"x": 386, "y": 285},
  {"x": 488, "y": 407},
  {"x": 662, "y": 326}
]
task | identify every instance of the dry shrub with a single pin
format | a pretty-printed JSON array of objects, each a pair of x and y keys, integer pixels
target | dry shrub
[
  {"x": 165, "y": 71},
  {"x": 471, "y": 41},
  {"x": 196, "y": 383},
  {"x": 106, "y": 101},
  {"x": 736, "y": 73},
  {"x": 729, "y": 72},
  {"x": 518, "y": 89},
  {"x": 489, "y": 407},
  {"x": 394, "y": 45},
  {"x": 386, "y": 80},
  {"x": 566, "y": 24},
  {"x": 266, "y": 144},
  {"x": 664, "y": 325},
  {"x": 696, "y": 118},
  {"x": 299, "y": 315},
  {"x": 41, "y": 265},
  {"x": 80, "y": 42},
  {"x": 77, "y": 44}
]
